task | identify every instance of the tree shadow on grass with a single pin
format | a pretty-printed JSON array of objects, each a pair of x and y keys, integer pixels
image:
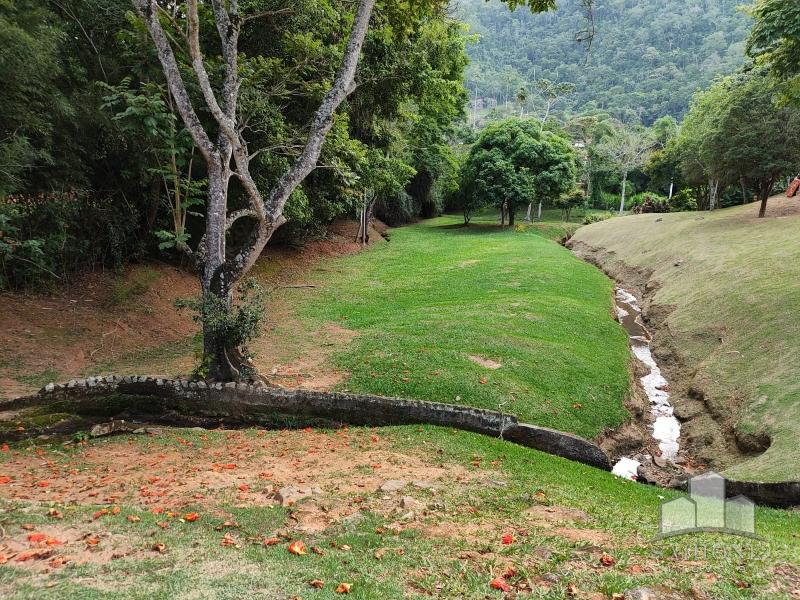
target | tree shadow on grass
[{"x": 473, "y": 228}]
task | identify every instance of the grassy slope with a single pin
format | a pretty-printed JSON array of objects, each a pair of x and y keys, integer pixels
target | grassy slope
[
  {"x": 624, "y": 515},
  {"x": 439, "y": 293},
  {"x": 736, "y": 296}
]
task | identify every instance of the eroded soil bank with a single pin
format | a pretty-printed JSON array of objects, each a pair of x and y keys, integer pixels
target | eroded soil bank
[{"x": 708, "y": 436}]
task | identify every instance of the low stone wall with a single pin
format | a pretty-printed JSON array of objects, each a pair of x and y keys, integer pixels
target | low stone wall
[{"x": 245, "y": 403}]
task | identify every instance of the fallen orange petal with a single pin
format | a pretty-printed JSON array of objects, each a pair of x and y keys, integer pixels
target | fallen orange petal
[{"x": 297, "y": 547}]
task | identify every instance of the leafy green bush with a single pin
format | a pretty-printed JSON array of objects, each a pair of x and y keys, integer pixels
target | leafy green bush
[
  {"x": 596, "y": 217},
  {"x": 684, "y": 200},
  {"x": 237, "y": 325},
  {"x": 45, "y": 238},
  {"x": 648, "y": 202}
]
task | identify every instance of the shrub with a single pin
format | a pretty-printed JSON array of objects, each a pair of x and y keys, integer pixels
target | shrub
[
  {"x": 685, "y": 200},
  {"x": 396, "y": 210},
  {"x": 596, "y": 217},
  {"x": 45, "y": 238},
  {"x": 648, "y": 202}
]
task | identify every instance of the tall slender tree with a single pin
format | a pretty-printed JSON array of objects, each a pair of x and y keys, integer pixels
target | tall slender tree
[{"x": 627, "y": 149}]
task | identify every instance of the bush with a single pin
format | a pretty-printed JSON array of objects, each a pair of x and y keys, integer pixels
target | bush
[
  {"x": 45, "y": 238},
  {"x": 596, "y": 217},
  {"x": 648, "y": 202},
  {"x": 396, "y": 210},
  {"x": 685, "y": 200}
]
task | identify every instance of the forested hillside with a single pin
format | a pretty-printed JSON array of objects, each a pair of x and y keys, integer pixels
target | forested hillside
[{"x": 647, "y": 59}]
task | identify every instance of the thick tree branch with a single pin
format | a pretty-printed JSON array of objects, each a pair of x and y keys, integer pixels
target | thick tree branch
[
  {"x": 323, "y": 119},
  {"x": 239, "y": 214},
  {"x": 305, "y": 163},
  {"x": 148, "y": 10},
  {"x": 225, "y": 122}
]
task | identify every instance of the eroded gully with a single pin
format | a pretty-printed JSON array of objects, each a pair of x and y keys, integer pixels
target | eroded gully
[{"x": 666, "y": 429}]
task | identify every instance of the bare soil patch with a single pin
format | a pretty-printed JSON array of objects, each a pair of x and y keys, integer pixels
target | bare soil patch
[
  {"x": 485, "y": 362},
  {"x": 97, "y": 326},
  {"x": 169, "y": 472}
]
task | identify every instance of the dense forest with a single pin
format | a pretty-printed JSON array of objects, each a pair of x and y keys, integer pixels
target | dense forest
[
  {"x": 97, "y": 167},
  {"x": 647, "y": 58}
]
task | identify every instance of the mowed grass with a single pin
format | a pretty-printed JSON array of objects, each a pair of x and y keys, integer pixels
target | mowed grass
[
  {"x": 438, "y": 299},
  {"x": 734, "y": 283},
  {"x": 550, "y": 560}
]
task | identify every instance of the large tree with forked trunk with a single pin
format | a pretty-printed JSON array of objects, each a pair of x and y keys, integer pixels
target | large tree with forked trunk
[{"x": 225, "y": 149}]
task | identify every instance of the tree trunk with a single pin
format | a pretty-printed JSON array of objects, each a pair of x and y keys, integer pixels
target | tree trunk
[
  {"x": 221, "y": 362},
  {"x": 511, "y": 216},
  {"x": 503, "y": 214},
  {"x": 530, "y": 209},
  {"x": 765, "y": 189},
  {"x": 713, "y": 193},
  {"x": 539, "y": 212},
  {"x": 744, "y": 190},
  {"x": 624, "y": 189},
  {"x": 671, "y": 188}
]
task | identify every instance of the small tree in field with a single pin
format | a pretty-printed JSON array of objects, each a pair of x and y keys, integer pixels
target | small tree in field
[
  {"x": 627, "y": 149},
  {"x": 515, "y": 160},
  {"x": 568, "y": 202}
]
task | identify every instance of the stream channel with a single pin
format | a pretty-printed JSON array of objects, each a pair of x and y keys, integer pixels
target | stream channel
[{"x": 666, "y": 429}]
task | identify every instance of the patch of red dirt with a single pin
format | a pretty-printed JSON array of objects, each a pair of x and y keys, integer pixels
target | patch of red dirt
[
  {"x": 168, "y": 472},
  {"x": 79, "y": 328},
  {"x": 79, "y": 331}
]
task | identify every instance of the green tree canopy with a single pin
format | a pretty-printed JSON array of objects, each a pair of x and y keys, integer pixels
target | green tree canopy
[
  {"x": 516, "y": 161},
  {"x": 775, "y": 38}
]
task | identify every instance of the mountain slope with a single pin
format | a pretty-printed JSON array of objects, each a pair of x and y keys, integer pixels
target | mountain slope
[{"x": 647, "y": 58}]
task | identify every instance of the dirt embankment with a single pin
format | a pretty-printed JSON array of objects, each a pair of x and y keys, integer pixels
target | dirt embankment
[
  {"x": 127, "y": 323},
  {"x": 708, "y": 435}
]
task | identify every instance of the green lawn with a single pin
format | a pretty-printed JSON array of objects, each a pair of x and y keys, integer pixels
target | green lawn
[
  {"x": 731, "y": 282},
  {"x": 440, "y": 293},
  {"x": 421, "y": 305}
]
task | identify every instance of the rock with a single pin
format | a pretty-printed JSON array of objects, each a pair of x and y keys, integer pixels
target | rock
[
  {"x": 393, "y": 485},
  {"x": 424, "y": 485},
  {"x": 110, "y": 428},
  {"x": 409, "y": 516},
  {"x": 409, "y": 503},
  {"x": 291, "y": 495},
  {"x": 655, "y": 593}
]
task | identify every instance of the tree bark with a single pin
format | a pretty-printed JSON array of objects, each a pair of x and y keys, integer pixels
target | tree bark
[
  {"x": 762, "y": 211},
  {"x": 530, "y": 210},
  {"x": 539, "y": 212},
  {"x": 624, "y": 188},
  {"x": 503, "y": 215},
  {"x": 765, "y": 189},
  {"x": 511, "y": 215}
]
